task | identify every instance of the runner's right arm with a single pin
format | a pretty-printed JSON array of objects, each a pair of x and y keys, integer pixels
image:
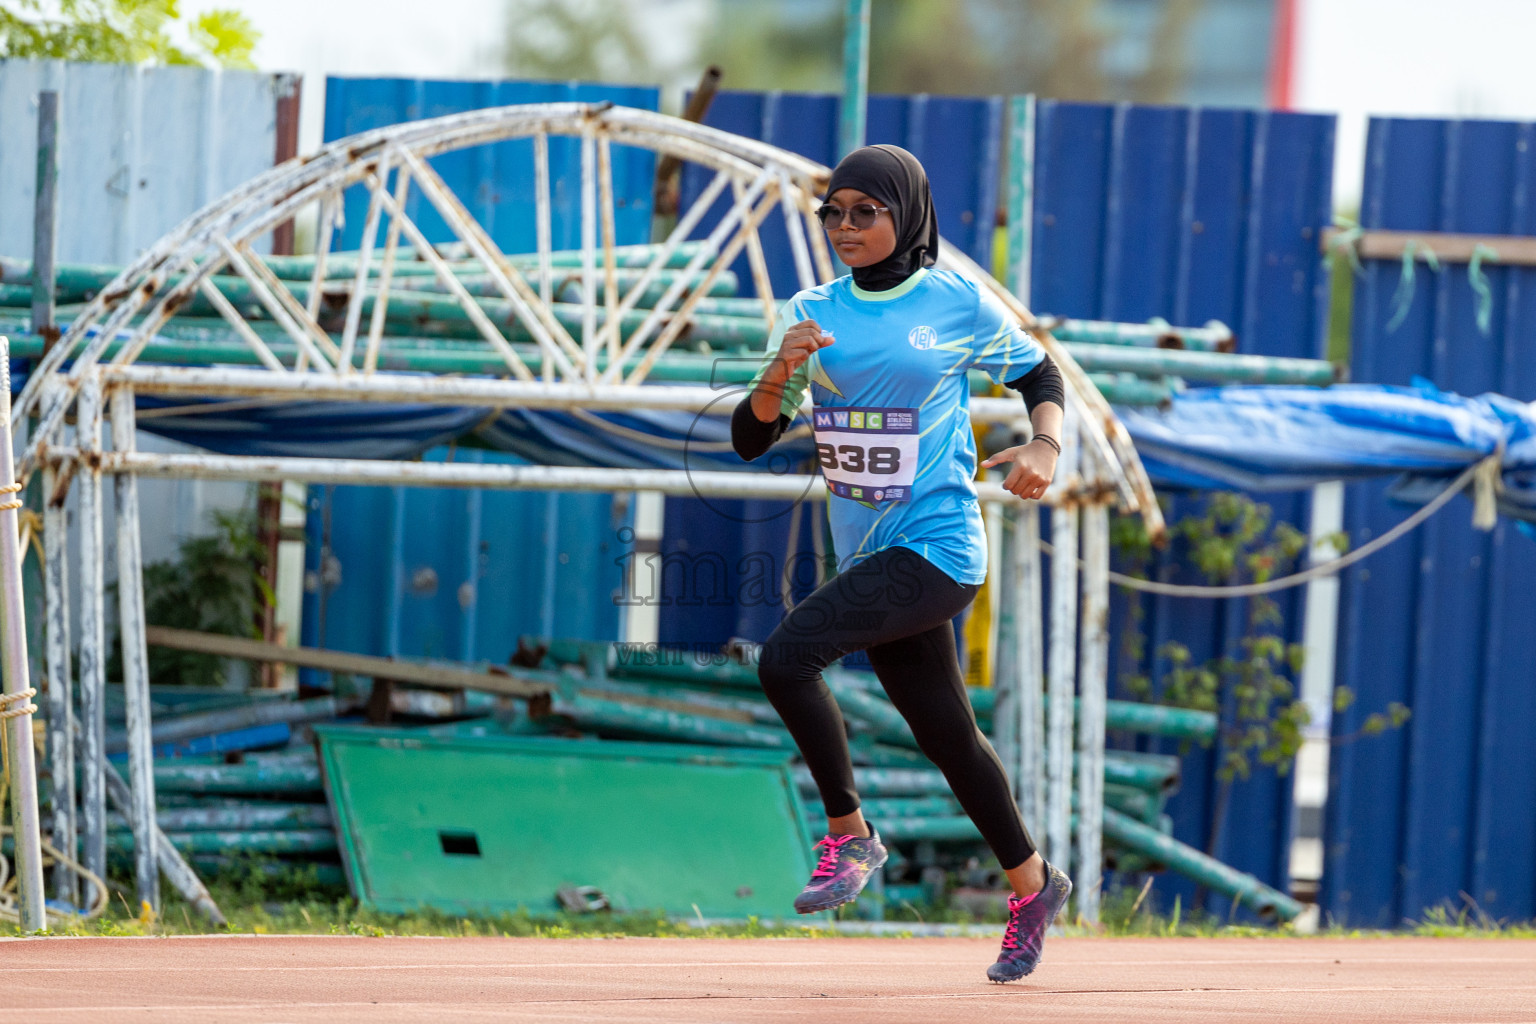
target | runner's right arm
[{"x": 778, "y": 387}]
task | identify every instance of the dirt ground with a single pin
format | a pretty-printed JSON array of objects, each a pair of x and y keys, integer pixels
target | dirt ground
[{"x": 891, "y": 981}]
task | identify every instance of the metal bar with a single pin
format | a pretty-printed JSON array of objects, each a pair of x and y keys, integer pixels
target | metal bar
[
  {"x": 589, "y": 249},
  {"x": 1212, "y": 366},
  {"x": 17, "y": 708},
  {"x": 61, "y": 734},
  {"x": 1094, "y": 662},
  {"x": 718, "y": 483},
  {"x": 364, "y": 257},
  {"x": 610, "y": 270},
  {"x": 45, "y": 216},
  {"x": 542, "y": 228},
  {"x": 93, "y": 641},
  {"x": 1063, "y": 659},
  {"x": 130, "y": 594},
  {"x": 386, "y": 275},
  {"x": 175, "y": 869},
  {"x": 1031, "y": 656},
  {"x": 300, "y": 335},
  {"x": 1007, "y": 683},
  {"x": 794, "y": 225},
  {"x": 326, "y": 227},
  {"x": 1448, "y": 247},
  {"x": 1213, "y": 337},
  {"x": 232, "y": 315},
  {"x": 1021, "y": 195},
  {"x": 850, "y": 131},
  {"x": 399, "y": 670}
]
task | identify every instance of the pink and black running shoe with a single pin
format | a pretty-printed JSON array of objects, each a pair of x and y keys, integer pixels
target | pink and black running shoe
[
  {"x": 1028, "y": 918},
  {"x": 846, "y": 865}
]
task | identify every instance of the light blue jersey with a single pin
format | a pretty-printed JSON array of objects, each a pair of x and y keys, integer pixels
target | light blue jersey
[{"x": 892, "y": 410}]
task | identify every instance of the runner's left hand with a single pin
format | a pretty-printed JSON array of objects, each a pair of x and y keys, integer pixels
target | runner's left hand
[{"x": 1033, "y": 467}]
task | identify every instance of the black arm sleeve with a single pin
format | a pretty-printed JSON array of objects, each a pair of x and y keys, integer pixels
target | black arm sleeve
[
  {"x": 1042, "y": 384},
  {"x": 750, "y": 436}
]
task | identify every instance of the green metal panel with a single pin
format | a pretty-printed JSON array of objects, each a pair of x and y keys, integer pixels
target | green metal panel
[{"x": 491, "y": 824}]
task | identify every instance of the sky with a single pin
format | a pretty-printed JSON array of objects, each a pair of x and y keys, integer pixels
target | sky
[
  {"x": 1433, "y": 58},
  {"x": 1427, "y": 58}
]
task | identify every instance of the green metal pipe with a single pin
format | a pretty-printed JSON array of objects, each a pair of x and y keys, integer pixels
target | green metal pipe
[
  {"x": 230, "y": 817},
  {"x": 616, "y": 717},
  {"x": 264, "y": 778},
  {"x": 568, "y": 287},
  {"x": 1207, "y": 366},
  {"x": 344, "y": 264},
  {"x": 1129, "y": 389},
  {"x": 1156, "y": 333},
  {"x": 1130, "y": 716},
  {"x": 298, "y": 840},
  {"x": 1163, "y": 849},
  {"x": 855, "y": 101}
]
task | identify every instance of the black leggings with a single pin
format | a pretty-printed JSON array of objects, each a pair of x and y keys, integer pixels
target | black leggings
[{"x": 897, "y": 606}]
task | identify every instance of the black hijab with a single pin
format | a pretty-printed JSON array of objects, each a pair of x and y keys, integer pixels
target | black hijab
[{"x": 894, "y": 177}]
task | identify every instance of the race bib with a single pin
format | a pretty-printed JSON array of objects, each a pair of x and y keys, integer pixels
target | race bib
[{"x": 868, "y": 455}]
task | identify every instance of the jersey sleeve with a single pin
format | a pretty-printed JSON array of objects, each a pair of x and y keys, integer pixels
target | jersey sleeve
[
  {"x": 800, "y": 381},
  {"x": 998, "y": 344}
]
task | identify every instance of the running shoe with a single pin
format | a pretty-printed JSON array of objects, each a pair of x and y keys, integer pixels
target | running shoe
[
  {"x": 846, "y": 865},
  {"x": 1028, "y": 918}
]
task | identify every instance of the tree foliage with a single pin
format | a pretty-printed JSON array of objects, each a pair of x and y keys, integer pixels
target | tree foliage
[
  {"x": 123, "y": 32},
  {"x": 215, "y": 585}
]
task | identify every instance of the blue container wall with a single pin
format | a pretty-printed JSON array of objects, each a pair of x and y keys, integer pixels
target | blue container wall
[
  {"x": 957, "y": 139},
  {"x": 1439, "y": 621},
  {"x": 458, "y": 573},
  {"x": 496, "y": 182},
  {"x": 1192, "y": 215}
]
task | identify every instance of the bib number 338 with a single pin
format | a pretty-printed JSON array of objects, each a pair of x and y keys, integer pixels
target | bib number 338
[{"x": 868, "y": 455}]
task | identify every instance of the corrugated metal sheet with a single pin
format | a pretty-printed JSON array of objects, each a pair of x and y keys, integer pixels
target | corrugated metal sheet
[
  {"x": 957, "y": 139},
  {"x": 1441, "y": 620},
  {"x": 496, "y": 182},
  {"x": 141, "y": 149},
  {"x": 457, "y": 573},
  {"x": 1192, "y": 214}
]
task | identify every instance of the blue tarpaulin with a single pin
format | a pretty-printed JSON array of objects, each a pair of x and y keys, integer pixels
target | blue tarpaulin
[{"x": 1247, "y": 438}]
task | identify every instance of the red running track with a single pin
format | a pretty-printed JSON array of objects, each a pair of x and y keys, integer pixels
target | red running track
[{"x": 847, "y": 980}]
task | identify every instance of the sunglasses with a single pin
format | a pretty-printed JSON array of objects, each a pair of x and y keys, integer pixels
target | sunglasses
[{"x": 860, "y": 215}]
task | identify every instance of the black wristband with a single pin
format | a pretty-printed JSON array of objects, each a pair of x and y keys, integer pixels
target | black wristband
[{"x": 1048, "y": 439}]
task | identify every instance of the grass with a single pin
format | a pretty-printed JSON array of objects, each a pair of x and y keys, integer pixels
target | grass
[{"x": 293, "y": 903}]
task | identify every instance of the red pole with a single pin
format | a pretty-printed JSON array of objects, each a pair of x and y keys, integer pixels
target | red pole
[{"x": 1282, "y": 61}]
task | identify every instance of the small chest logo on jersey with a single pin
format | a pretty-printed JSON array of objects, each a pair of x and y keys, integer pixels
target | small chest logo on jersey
[{"x": 923, "y": 337}]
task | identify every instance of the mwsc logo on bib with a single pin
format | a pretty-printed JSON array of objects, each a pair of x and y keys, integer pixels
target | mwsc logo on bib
[{"x": 923, "y": 337}]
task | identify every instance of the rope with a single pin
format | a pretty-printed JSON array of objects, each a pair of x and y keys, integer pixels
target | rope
[
  {"x": 1402, "y": 298},
  {"x": 11, "y": 489},
  {"x": 1479, "y": 282},
  {"x": 1317, "y": 571},
  {"x": 27, "y": 708}
]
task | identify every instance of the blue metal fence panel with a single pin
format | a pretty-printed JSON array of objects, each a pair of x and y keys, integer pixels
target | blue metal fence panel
[
  {"x": 1187, "y": 214},
  {"x": 458, "y": 573},
  {"x": 496, "y": 182},
  {"x": 957, "y": 139},
  {"x": 141, "y": 149},
  {"x": 1192, "y": 215},
  {"x": 1439, "y": 620}
]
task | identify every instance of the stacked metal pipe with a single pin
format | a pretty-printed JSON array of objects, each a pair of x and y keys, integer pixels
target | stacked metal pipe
[{"x": 428, "y": 329}]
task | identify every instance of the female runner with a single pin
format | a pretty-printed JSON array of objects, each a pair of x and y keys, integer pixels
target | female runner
[{"x": 885, "y": 356}]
